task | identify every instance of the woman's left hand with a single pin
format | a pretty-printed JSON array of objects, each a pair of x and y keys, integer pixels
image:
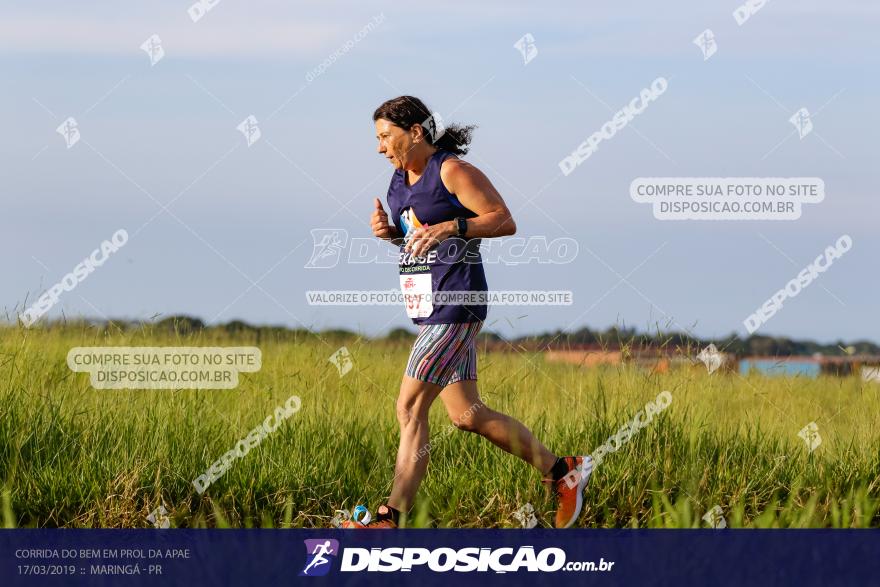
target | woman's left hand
[{"x": 426, "y": 237}]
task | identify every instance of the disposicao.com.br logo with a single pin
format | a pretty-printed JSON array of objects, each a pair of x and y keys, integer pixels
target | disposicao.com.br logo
[{"x": 443, "y": 559}]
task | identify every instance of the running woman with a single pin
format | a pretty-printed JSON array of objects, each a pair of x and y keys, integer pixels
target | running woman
[{"x": 441, "y": 207}]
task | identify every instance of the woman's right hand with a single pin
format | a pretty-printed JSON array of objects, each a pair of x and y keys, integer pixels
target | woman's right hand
[{"x": 379, "y": 223}]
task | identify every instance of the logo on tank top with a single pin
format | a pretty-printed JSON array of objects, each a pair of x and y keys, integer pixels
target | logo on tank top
[{"x": 409, "y": 221}]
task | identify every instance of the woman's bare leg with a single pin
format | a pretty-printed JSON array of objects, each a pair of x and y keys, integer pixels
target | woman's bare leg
[
  {"x": 468, "y": 412},
  {"x": 413, "y": 405}
]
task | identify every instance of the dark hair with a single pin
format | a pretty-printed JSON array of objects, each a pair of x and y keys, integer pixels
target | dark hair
[{"x": 405, "y": 111}]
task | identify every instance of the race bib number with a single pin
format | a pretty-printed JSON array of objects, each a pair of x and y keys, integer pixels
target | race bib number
[{"x": 416, "y": 288}]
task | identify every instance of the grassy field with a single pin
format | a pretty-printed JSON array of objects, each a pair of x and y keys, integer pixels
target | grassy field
[{"x": 74, "y": 456}]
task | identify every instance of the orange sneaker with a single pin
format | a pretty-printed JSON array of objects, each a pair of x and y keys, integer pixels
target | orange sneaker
[{"x": 569, "y": 490}]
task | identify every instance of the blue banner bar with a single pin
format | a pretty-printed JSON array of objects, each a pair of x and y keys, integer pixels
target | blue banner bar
[{"x": 438, "y": 557}]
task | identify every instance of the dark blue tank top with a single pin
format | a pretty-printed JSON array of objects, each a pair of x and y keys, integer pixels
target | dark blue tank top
[{"x": 456, "y": 264}]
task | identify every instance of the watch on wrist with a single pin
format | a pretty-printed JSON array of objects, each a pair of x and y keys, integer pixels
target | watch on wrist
[{"x": 461, "y": 226}]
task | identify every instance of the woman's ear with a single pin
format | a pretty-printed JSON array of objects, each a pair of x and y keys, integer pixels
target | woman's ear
[{"x": 417, "y": 132}]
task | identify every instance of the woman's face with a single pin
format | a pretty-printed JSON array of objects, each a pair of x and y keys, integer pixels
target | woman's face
[{"x": 395, "y": 143}]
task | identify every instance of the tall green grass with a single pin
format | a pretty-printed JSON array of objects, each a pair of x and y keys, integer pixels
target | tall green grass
[{"x": 74, "y": 456}]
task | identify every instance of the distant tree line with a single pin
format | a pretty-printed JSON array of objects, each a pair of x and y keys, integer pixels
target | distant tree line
[
  {"x": 613, "y": 338},
  {"x": 753, "y": 345}
]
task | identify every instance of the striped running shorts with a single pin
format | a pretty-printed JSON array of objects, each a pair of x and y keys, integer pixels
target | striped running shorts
[{"x": 444, "y": 353}]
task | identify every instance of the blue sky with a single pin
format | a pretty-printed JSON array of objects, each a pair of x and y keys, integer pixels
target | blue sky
[{"x": 243, "y": 214}]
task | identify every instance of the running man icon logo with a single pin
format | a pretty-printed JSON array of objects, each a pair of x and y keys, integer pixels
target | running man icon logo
[
  {"x": 715, "y": 518},
  {"x": 802, "y": 122},
  {"x": 159, "y": 518},
  {"x": 69, "y": 129},
  {"x": 526, "y": 516},
  {"x": 153, "y": 48},
  {"x": 711, "y": 358},
  {"x": 810, "y": 435},
  {"x": 250, "y": 129},
  {"x": 318, "y": 552},
  {"x": 526, "y": 46},
  {"x": 327, "y": 246},
  {"x": 706, "y": 42},
  {"x": 341, "y": 359},
  {"x": 434, "y": 126}
]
